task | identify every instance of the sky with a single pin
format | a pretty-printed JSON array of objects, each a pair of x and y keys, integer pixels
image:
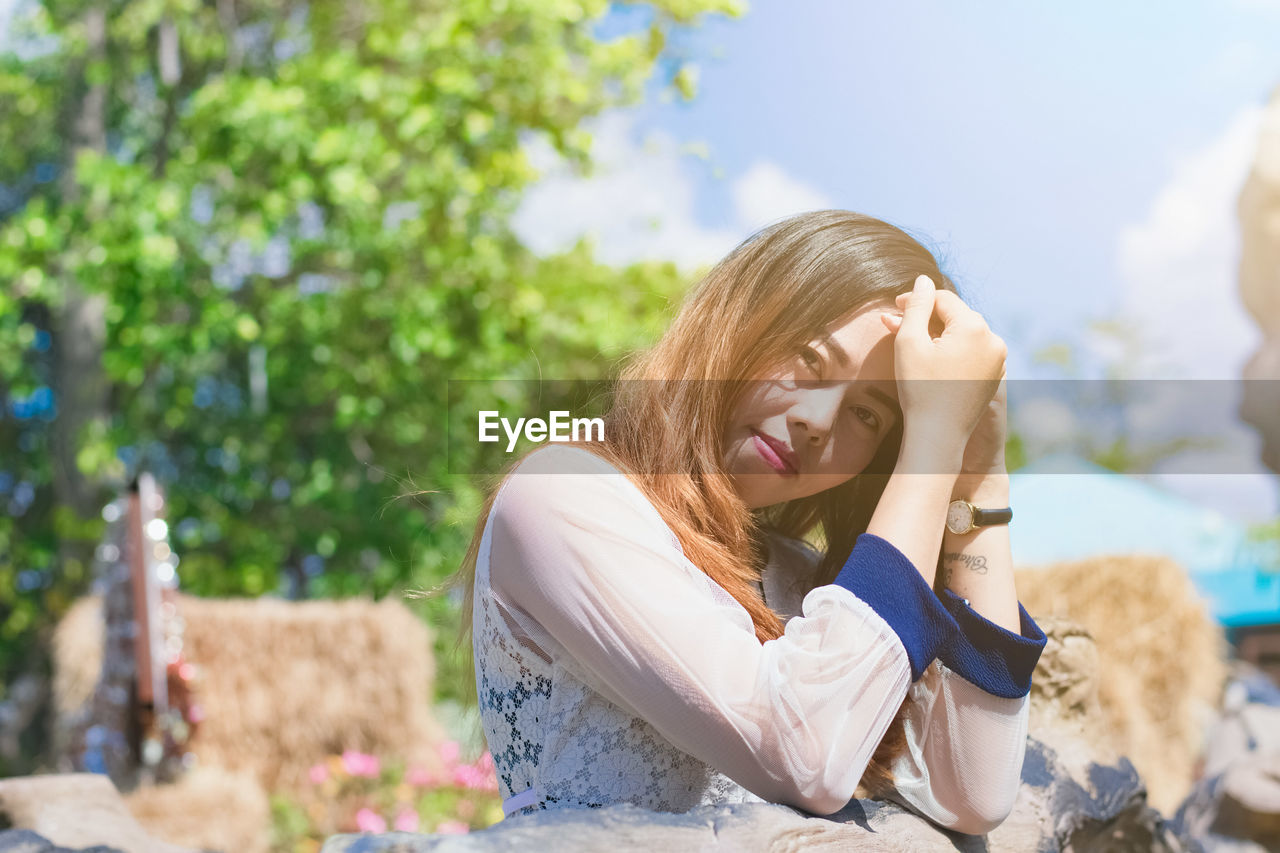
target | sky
[
  {"x": 1069, "y": 163},
  {"x": 7, "y": 8}
]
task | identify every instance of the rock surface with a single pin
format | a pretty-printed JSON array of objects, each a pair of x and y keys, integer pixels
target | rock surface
[
  {"x": 1235, "y": 807},
  {"x": 1065, "y": 711},
  {"x": 1258, "y": 208},
  {"x": 1259, "y": 211},
  {"x": 1104, "y": 810},
  {"x": 26, "y": 841},
  {"x": 77, "y": 810}
]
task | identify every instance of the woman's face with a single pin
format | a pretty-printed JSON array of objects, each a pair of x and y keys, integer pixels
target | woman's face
[{"x": 817, "y": 420}]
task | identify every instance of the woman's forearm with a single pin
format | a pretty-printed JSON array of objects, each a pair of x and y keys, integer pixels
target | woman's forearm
[
  {"x": 913, "y": 507},
  {"x": 979, "y": 565}
]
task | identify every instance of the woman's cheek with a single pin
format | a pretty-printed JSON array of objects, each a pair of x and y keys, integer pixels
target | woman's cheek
[{"x": 853, "y": 463}]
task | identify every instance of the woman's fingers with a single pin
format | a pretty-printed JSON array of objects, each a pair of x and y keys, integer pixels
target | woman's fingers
[
  {"x": 951, "y": 309},
  {"x": 951, "y": 300},
  {"x": 918, "y": 310}
]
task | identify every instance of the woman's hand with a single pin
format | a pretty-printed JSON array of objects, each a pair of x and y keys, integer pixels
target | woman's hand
[
  {"x": 964, "y": 368},
  {"x": 984, "y": 454}
]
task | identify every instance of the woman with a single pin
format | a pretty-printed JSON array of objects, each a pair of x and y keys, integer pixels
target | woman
[{"x": 648, "y": 626}]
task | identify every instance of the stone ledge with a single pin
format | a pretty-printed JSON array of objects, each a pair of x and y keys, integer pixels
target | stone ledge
[{"x": 1104, "y": 809}]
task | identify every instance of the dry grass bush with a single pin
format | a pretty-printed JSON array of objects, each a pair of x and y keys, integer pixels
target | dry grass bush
[
  {"x": 207, "y": 809},
  {"x": 284, "y": 684},
  {"x": 77, "y": 654},
  {"x": 1161, "y": 658}
]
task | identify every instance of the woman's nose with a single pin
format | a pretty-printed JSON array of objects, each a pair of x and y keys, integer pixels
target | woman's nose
[{"x": 815, "y": 415}]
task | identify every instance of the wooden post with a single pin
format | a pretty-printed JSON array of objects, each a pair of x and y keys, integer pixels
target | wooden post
[
  {"x": 138, "y": 586},
  {"x": 145, "y": 555}
]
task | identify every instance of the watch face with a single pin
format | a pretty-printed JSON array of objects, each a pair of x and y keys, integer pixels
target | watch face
[{"x": 959, "y": 517}]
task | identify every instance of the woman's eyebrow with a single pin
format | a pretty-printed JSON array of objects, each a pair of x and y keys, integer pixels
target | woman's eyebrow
[
  {"x": 836, "y": 349},
  {"x": 843, "y": 357},
  {"x": 891, "y": 403}
]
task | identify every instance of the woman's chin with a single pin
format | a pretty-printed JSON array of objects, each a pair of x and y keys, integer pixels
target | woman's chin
[{"x": 757, "y": 490}]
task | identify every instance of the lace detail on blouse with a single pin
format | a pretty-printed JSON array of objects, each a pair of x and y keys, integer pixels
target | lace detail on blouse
[{"x": 548, "y": 731}]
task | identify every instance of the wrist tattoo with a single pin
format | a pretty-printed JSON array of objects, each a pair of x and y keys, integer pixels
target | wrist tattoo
[{"x": 976, "y": 562}]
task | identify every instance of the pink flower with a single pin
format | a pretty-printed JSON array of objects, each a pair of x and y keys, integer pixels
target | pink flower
[
  {"x": 407, "y": 821},
  {"x": 420, "y": 776},
  {"x": 464, "y": 776},
  {"x": 360, "y": 764},
  {"x": 449, "y": 751},
  {"x": 453, "y": 827},
  {"x": 367, "y": 820},
  {"x": 479, "y": 776},
  {"x": 318, "y": 774}
]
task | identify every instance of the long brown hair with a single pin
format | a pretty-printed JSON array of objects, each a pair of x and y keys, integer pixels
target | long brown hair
[{"x": 754, "y": 310}]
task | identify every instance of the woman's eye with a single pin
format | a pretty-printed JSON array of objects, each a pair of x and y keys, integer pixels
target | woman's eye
[
  {"x": 810, "y": 357},
  {"x": 867, "y": 416}
]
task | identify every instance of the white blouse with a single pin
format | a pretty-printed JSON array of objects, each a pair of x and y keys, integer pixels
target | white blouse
[{"x": 610, "y": 668}]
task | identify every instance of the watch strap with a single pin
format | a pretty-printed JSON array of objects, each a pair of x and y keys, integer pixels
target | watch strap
[{"x": 987, "y": 517}]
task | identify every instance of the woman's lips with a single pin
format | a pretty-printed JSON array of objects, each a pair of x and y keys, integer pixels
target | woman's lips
[{"x": 777, "y": 454}]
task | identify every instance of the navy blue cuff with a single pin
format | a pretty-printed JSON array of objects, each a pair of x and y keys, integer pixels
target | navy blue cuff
[
  {"x": 990, "y": 656},
  {"x": 883, "y": 577}
]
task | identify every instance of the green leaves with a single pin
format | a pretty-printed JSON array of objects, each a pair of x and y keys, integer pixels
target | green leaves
[{"x": 299, "y": 243}]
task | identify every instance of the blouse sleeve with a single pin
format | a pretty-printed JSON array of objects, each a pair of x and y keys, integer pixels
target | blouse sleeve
[
  {"x": 966, "y": 720},
  {"x": 965, "y": 748},
  {"x": 795, "y": 720}
]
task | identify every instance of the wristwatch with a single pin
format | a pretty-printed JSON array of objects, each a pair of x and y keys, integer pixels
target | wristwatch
[{"x": 963, "y": 517}]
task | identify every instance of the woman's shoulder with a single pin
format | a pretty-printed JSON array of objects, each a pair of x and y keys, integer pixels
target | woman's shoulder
[
  {"x": 563, "y": 459},
  {"x": 558, "y": 483},
  {"x": 568, "y": 501}
]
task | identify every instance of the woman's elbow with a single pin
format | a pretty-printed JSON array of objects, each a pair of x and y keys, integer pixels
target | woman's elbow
[
  {"x": 822, "y": 802},
  {"x": 977, "y": 822},
  {"x": 821, "y": 796},
  {"x": 810, "y": 775}
]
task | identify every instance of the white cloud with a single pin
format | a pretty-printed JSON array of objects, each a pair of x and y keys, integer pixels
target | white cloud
[
  {"x": 1259, "y": 6},
  {"x": 1178, "y": 266},
  {"x": 1240, "y": 60},
  {"x": 639, "y": 202},
  {"x": 6, "y": 13},
  {"x": 765, "y": 194},
  {"x": 29, "y": 47}
]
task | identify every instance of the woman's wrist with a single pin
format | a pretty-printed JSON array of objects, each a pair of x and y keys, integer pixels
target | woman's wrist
[
  {"x": 988, "y": 489},
  {"x": 930, "y": 454}
]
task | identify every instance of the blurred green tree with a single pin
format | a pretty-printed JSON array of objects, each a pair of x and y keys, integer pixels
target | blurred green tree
[
  {"x": 244, "y": 246},
  {"x": 1102, "y": 401}
]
